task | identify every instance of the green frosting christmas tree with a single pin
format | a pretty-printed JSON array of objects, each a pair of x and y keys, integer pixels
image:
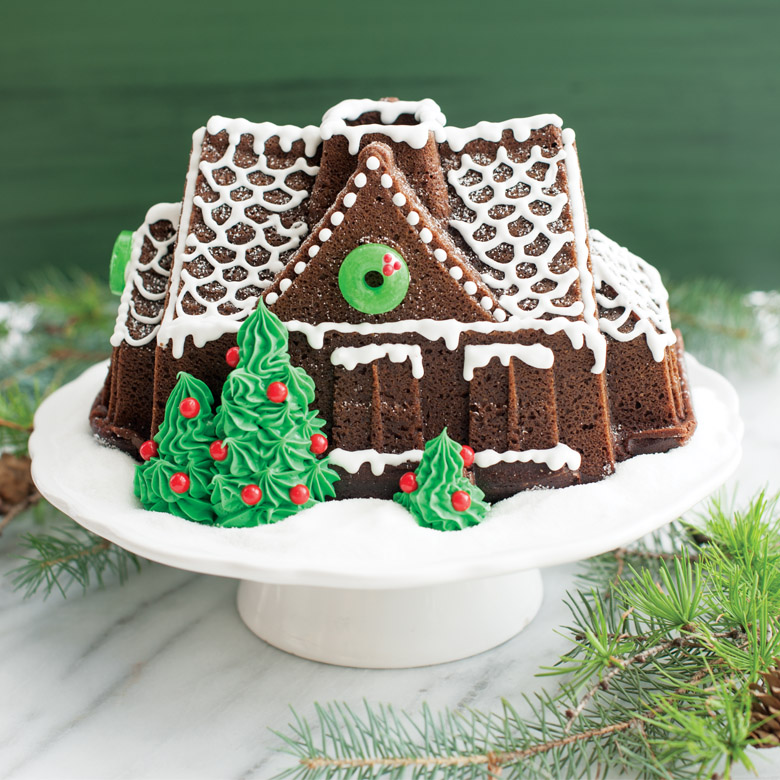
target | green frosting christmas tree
[
  {"x": 268, "y": 467},
  {"x": 177, "y": 473},
  {"x": 438, "y": 494}
]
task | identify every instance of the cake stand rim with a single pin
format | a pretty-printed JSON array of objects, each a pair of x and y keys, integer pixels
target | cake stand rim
[{"x": 225, "y": 562}]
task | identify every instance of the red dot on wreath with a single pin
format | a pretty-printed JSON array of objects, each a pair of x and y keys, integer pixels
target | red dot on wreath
[
  {"x": 388, "y": 258},
  {"x": 318, "y": 444},
  {"x": 232, "y": 356},
  {"x": 277, "y": 392},
  {"x": 467, "y": 454},
  {"x": 461, "y": 500},
  {"x": 179, "y": 482},
  {"x": 299, "y": 494},
  {"x": 387, "y": 270},
  {"x": 251, "y": 495},
  {"x": 218, "y": 450},
  {"x": 189, "y": 408},
  {"x": 148, "y": 450},
  {"x": 396, "y": 265},
  {"x": 408, "y": 482}
]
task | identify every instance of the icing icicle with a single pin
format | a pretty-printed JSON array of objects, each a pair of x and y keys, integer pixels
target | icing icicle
[{"x": 349, "y": 357}]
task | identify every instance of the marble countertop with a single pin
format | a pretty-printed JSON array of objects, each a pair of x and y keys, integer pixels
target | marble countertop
[{"x": 160, "y": 678}]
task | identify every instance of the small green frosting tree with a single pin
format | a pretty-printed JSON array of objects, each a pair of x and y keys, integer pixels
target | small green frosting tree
[
  {"x": 438, "y": 494},
  {"x": 176, "y": 476},
  {"x": 269, "y": 469}
]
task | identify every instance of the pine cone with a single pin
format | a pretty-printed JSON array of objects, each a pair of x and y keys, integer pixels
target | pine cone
[{"x": 766, "y": 707}]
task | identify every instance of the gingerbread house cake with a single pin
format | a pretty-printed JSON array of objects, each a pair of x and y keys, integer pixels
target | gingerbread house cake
[{"x": 429, "y": 276}]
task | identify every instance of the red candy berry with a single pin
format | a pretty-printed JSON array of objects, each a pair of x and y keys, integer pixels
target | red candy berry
[
  {"x": 408, "y": 482},
  {"x": 387, "y": 259},
  {"x": 189, "y": 408},
  {"x": 251, "y": 495},
  {"x": 387, "y": 270},
  {"x": 299, "y": 494},
  {"x": 218, "y": 450},
  {"x": 461, "y": 500},
  {"x": 231, "y": 357},
  {"x": 467, "y": 454},
  {"x": 318, "y": 444},
  {"x": 277, "y": 392},
  {"x": 148, "y": 450},
  {"x": 396, "y": 265},
  {"x": 179, "y": 482}
]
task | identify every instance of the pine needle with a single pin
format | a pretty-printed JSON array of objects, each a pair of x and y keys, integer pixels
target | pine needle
[{"x": 70, "y": 556}]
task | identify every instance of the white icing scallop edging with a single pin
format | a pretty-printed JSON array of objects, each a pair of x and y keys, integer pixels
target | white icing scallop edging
[{"x": 369, "y": 543}]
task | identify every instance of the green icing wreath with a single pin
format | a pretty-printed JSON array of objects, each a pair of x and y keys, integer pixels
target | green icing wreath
[{"x": 374, "y": 278}]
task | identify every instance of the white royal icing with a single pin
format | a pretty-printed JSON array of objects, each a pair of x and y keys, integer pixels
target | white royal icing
[
  {"x": 153, "y": 275},
  {"x": 554, "y": 458},
  {"x": 449, "y": 331},
  {"x": 458, "y": 137},
  {"x": 349, "y": 357},
  {"x": 212, "y": 321},
  {"x": 480, "y": 355},
  {"x": 427, "y": 114},
  {"x": 642, "y": 300}
]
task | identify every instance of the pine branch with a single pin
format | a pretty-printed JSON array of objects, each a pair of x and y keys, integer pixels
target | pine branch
[
  {"x": 668, "y": 652},
  {"x": 70, "y": 556}
]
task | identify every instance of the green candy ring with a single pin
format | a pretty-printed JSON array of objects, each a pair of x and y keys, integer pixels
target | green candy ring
[
  {"x": 373, "y": 278},
  {"x": 120, "y": 257}
]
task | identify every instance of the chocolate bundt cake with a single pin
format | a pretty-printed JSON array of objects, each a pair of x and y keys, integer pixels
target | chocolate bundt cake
[{"x": 429, "y": 277}]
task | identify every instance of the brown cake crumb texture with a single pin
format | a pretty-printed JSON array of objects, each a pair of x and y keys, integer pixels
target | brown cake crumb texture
[{"x": 636, "y": 405}]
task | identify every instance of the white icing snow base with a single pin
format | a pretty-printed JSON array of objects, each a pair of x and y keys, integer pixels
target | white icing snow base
[{"x": 369, "y": 543}]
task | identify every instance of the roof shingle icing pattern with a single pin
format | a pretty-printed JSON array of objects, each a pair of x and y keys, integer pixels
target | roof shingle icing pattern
[
  {"x": 147, "y": 273},
  {"x": 631, "y": 296}
]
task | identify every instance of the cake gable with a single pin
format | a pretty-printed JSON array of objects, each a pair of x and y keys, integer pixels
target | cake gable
[
  {"x": 244, "y": 213},
  {"x": 378, "y": 207}
]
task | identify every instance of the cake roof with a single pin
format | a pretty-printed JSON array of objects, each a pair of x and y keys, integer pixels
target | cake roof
[
  {"x": 146, "y": 277},
  {"x": 242, "y": 218},
  {"x": 631, "y": 297},
  {"x": 515, "y": 211}
]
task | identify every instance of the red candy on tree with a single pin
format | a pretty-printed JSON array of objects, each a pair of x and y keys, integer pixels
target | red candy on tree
[
  {"x": 148, "y": 450},
  {"x": 189, "y": 408},
  {"x": 461, "y": 500},
  {"x": 218, "y": 450},
  {"x": 231, "y": 357},
  {"x": 277, "y": 392},
  {"x": 179, "y": 482},
  {"x": 467, "y": 454},
  {"x": 318, "y": 444},
  {"x": 299, "y": 494},
  {"x": 251, "y": 495},
  {"x": 408, "y": 482}
]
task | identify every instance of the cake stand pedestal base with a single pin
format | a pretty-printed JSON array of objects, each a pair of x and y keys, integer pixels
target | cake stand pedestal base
[{"x": 398, "y": 628}]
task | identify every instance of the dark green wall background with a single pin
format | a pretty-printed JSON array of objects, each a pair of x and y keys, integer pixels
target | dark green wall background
[{"x": 676, "y": 107}]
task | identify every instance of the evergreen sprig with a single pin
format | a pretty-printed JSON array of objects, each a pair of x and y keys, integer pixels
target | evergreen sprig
[
  {"x": 70, "y": 556},
  {"x": 666, "y": 639}
]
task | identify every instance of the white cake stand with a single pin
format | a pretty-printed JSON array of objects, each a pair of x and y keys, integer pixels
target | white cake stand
[{"x": 357, "y": 582}]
